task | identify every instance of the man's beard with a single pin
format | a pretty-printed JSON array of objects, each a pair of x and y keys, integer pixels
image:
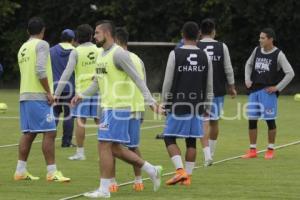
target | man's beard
[{"x": 101, "y": 43}]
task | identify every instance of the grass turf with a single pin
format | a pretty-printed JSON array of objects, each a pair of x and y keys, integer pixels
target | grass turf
[{"x": 235, "y": 179}]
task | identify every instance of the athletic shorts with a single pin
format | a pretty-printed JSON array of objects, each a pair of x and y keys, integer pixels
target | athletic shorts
[
  {"x": 87, "y": 108},
  {"x": 216, "y": 108},
  {"x": 36, "y": 117},
  {"x": 134, "y": 132},
  {"x": 114, "y": 126},
  {"x": 262, "y": 105},
  {"x": 184, "y": 126}
]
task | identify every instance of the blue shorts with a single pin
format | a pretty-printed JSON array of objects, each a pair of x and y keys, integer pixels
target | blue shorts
[
  {"x": 114, "y": 126},
  {"x": 184, "y": 126},
  {"x": 216, "y": 108},
  {"x": 262, "y": 105},
  {"x": 87, "y": 108},
  {"x": 134, "y": 132},
  {"x": 36, "y": 117}
]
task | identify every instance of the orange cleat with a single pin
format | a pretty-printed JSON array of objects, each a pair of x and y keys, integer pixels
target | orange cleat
[
  {"x": 187, "y": 182},
  {"x": 138, "y": 187},
  {"x": 180, "y": 175},
  {"x": 251, "y": 153},
  {"x": 269, "y": 154},
  {"x": 113, "y": 187}
]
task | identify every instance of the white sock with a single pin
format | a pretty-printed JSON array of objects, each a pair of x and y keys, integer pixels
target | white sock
[
  {"x": 212, "y": 146},
  {"x": 149, "y": 169},
  {"x": 207, "y": 155},
  {"x": 80, "y": 150},
  {"x": 189, "y": 166},
  {"x": 21, "y": 167},
  {"x": 138, "y": 179},
  {"x": 177, "y": 161},
  {"x": 51, "y": 168},
  {"x": 271, "y": 146},
  {"x": 113, "y": 180},
  {"x": 104, "y": 185},
  {"x": 252, "y": 146}
]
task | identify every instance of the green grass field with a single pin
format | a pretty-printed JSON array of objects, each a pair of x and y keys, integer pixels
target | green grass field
[{"x": 234, "y": 179}]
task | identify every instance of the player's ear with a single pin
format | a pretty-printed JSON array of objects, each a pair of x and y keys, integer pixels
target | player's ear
[
  {"x": 214, "y": 33},
  {"x": 199, "y": 35}
]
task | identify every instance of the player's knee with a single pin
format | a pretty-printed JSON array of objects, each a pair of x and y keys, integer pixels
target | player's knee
[
  {"x": 213, "y": 122},
  {"x": 169, "y": 140},
  {"x": 190, "y": 143},
  {"x": 252, "y": 124},
  {"x": 116, "y": 151},
  {"x": 271, "y": 124}
]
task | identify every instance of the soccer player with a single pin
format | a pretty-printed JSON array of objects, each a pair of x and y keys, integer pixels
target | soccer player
[
  {"x": 263, "y": 82},
  {"x": 82, "y": 61},
  {"x": 222, "y": 76},
  {"x": 115, "y": 73},
  {"x": 137, "y": 111},
  {"x": 36, "y": 113},
  {"x": 187, "y": 95},
  {"x": 59, "y": 58}
]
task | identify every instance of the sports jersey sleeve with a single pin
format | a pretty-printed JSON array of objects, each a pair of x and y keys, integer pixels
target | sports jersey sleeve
[
  {"x": 287, "y": 69},
  {"x": 42, "y": 53},
  {"x": 228, "y": 66},
  {"x": 248, "y": 66},
  {"x": 122, "y": 61},
  {"x": 67, "y": 72},
  {"x": 209, "y": 86},
  {"x": 144, "y": 71},
  {"x": 169, "y": 75}
]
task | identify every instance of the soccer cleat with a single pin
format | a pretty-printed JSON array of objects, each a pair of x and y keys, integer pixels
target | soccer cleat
[
  {"x": 251, "y": 153},
  {"x": 157, "y": 179},
  {"x": 180, "y": 175},
  {"x": 208, "y": 163},
  {"x": 138, "y": 187},
  {"x": 57, "y": 176},
  {"x": 113, "y": 187},
  {"x": 25, "y": 176},
  {"x": 269, "y": 154},
  {"x": 187, "y": 181},
  {"x": 77, "y": 156},
  {"x": 97, "y": 194}
]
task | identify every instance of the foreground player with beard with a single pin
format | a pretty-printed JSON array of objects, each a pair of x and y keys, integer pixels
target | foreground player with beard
[{"x": 114, "y": 74}]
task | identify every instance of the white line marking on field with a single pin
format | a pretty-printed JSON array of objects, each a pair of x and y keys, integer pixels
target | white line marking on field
[
  {"x": 87, "y": 135},
  {"x": 9, "y": 117},
  {"x": 170, "y": 173}
]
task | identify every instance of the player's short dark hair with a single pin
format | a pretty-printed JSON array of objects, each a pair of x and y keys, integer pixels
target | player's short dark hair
[
  {"x": 190, "y": 30},
  {"x": 84, "y": 33},
  {"x": 207, "y": 26},
  {"x": 108, "y": 25},
  {"x": 122, "y": 35},
  {"x": 270, "y": 33},
  {"x": 35, "y": 25}
]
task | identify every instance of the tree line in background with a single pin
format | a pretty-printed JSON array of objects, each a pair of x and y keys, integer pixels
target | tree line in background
[{"x": 238, "y": 25}]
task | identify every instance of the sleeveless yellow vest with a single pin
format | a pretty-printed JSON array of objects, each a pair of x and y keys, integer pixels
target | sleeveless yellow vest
[
  {"x": 85, "y": 68},
  {"x": 138, "y": 99},
  {"x": 27, "y": 63},
  {"x": 115, "y": 86}
]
